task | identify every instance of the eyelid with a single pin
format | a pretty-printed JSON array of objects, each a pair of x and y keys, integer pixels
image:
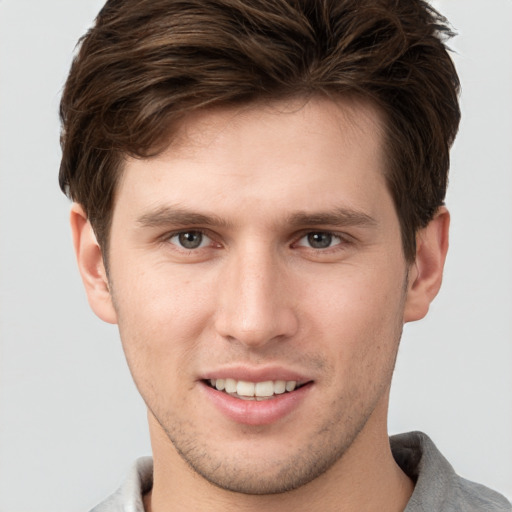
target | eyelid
[
  {"x": 203, "y": 241},
  {"x": 166, "y": 238},
  {"x": 335, "y": 234},
  {"x": 344, "y": 238}
]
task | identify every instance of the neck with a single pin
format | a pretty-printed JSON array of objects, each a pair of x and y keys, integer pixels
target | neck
[{"x": 366, "y": 477}]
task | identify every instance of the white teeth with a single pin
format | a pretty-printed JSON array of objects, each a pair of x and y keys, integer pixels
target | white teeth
[
  {"x": 290, "y": 385},
  {"x": 245, "y": 389},
  {"x": 279, "y": 387},
  {"x": 230, "y": 386},
  {"x": 264, "y": 388}
]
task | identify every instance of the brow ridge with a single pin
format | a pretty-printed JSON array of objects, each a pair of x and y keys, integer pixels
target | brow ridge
[
  {"x": 175, "y": 215},
  {"x": 338, "y": 217},
  {"x": 180, "y": 216}
]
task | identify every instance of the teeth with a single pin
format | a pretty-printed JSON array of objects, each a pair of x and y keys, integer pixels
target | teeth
[
  {"x": 230, "y": 385},
  {"x": 290, "y": 385},
  {"x": 264, "y": 388},
  {"x": 245, "y": 389},
  {"x": 279, "y": 387}
]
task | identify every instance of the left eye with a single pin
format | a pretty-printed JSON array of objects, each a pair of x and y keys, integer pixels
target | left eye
[
  {"x": 190, "y": 239},
  {"x": 319, "y": 240}
]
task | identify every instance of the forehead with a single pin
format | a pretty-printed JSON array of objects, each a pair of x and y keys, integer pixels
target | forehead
[
  {"x": 346, "y": 117},
  {"x": 278, "y": 127},
  {"x": 261, "y": 155}
]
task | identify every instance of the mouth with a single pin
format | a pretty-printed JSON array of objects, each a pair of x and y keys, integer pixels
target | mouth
[{"x": 245, "y": 390}]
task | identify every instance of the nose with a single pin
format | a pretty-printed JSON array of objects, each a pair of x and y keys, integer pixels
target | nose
[{"x": 255, "y": 301}]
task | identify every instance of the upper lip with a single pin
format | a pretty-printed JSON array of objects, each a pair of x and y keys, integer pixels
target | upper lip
[{"x": 251, "y": 374}]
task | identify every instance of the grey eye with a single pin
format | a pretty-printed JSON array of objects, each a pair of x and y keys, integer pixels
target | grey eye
[
  {"x": 320, "y": 240},
  {"x": 189, "y": 239}
]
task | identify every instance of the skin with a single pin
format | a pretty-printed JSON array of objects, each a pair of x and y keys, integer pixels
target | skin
[{"x": 259, "y": 292}]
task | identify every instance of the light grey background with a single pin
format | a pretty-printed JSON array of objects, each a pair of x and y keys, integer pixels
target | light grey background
[{"x": 71, "y": 421}]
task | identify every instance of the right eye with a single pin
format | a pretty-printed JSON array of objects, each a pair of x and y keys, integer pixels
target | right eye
[
  {"x": 320, "y": 240},
  {"x": 190, "y": 240}
]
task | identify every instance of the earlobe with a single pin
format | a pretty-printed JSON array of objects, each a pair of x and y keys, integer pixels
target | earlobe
[
  {"x": 426, "y": 273},
  {"x": 91, "y": 266}
]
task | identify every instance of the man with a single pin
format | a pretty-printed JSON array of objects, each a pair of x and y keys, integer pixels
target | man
[{"x": 259, "y": 192}]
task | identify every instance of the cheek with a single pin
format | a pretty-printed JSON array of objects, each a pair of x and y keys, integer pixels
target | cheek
[
  {"x": 160, "y": 296},
  {"x": 360, "y": 318},
  {"x": 160, "y": 322},
  {"x": 370, "y": 299}
]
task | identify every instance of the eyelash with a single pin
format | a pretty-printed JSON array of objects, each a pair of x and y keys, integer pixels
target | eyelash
[
  {"x": 343, "y": 240},
  {"x": 200, "y": 232}
]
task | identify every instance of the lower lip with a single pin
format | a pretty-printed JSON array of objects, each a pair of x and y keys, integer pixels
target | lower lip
[{"x": 256, "y": 412}]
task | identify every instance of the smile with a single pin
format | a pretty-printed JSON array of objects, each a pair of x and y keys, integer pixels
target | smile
[{"x": 254, "y": 390}]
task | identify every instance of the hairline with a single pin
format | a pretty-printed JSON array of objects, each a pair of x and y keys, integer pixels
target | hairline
[{"x": 174, "y": 138}]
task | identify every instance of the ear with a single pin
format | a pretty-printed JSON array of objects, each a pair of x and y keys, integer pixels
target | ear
[
  {"x": 426, "y": 273},
  {"x": 90, "y": 264}
]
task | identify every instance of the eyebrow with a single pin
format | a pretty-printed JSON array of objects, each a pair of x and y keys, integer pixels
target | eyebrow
[
  {"x": 336, "y": 217},
  {"x": 179, "y": 216}
]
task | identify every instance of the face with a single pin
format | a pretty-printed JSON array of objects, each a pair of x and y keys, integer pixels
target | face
[{"x": 259, "y": 284}]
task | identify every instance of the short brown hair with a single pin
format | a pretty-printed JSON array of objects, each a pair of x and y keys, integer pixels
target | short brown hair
[{"x": 147, "y": 63}]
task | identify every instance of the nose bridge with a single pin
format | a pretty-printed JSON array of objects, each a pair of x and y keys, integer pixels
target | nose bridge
[{"x": 255, "y": 307}]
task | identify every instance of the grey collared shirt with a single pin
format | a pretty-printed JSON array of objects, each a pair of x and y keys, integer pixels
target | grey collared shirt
[{"x": 438, "y": 488}]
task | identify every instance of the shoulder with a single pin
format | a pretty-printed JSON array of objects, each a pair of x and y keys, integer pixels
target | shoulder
[
  {"x": 129, "y": 496},
  {"x": 437, "y": 486},
  {"x": 480, "y": 497}
]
